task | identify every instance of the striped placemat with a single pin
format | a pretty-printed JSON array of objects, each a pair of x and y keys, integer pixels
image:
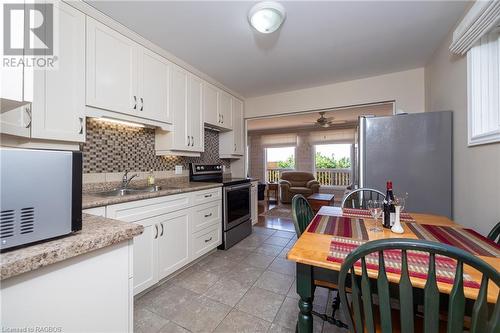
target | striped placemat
[
  {"x": 418, "y": 262},
  {"x": 465, "y": 239},
  {"x": 339, "y": 226},
  {"x": 356, "y": 212}
]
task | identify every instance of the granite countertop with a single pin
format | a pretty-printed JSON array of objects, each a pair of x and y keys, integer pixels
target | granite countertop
[
  {"x": 90, "y": 200},
  {"x": 97, "y": 232}
]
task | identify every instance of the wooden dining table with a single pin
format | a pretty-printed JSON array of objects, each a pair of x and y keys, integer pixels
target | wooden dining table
[{"x": 312, "y": 250}]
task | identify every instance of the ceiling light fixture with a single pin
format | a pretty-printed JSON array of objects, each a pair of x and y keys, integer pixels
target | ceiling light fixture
[{"x": 267, "y": 16}]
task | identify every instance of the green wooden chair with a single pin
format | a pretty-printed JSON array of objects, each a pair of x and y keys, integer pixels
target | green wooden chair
[
  {"x": 302, "y": 214},
  {"x": 494, "y": 234},
  {"x": 360, "y": 312}
]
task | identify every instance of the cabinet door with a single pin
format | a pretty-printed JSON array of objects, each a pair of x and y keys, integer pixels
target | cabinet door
[
  {"x": 111, "y": 69},
  {"x": 195, "y": 117},
  {"x": 15, "y": 116},
  {"x": 173, "y": 242},
  {"x": 254, "y": 202},
  {"x": 146, "y": 258},
  {"x": 224, "y": 109},
  {"x": 178, "y": 100},
  {"x": 154, "y": 84},
  {"x": 238, "y": 133},
  {"x": 59, "y": 104},
  {"x": 210, "y": 115}
]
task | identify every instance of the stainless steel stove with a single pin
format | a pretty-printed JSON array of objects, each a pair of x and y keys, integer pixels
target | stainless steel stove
[{"x": 236, "y": 223}]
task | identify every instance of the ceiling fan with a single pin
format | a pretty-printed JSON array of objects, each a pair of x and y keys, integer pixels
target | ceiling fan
[{"x": 326, "y": 122}]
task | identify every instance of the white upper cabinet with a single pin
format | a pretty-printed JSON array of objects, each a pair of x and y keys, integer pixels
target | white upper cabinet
[
  {"x": 224, "y": 110},
  {"x": 186, "y": 99},
  {"x": 232, "y": 143},
  {"x": 111, "y": 69},
  {"x": 195, "y": 114},
  {"x": 216, "y": 107},
  {"x": 210, "y": 112},
  {"x": 154, "y": 85},
  {"x": 59, "y": 94},
  {"x": 125, "y": 77},
  {"x": 181, "y": 140}
]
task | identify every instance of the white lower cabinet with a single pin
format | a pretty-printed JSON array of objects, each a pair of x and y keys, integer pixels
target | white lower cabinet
[
  {"x": 177, "y": 230},
  {"x": 145, "y": 259},
  {"x": 173, "y": 242}
]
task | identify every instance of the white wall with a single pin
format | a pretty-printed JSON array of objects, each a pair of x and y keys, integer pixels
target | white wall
[
  {"x": 476, "y": 178},
  {"x": 406, "y": 88}
]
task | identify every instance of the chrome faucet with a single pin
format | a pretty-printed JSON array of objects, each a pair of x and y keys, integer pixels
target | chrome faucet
[{"x": 126, "y": 180}]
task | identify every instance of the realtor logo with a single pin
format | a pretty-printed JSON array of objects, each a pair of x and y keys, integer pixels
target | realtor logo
[{"x": 28, "y": 29}]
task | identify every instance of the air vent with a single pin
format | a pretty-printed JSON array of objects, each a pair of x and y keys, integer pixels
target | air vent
[
  {"x": 7, "y": 223},
  {"x": 27, "y": 220}
]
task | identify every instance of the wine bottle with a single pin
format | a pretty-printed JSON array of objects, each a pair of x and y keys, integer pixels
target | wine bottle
[{"x": 389, "y": 213}]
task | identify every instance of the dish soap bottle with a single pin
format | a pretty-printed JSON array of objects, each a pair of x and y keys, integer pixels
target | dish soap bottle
[{"x": 151, "y": 178}]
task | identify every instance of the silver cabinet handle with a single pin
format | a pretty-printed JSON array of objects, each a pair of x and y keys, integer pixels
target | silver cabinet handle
[
  {"x": 156, "y": 227},
  {"x": 235, "y": 147},
  {"x": 192, "y": 141},
  {"x": 208, "y": 215},
  {"x": 142, "y": 104},
  {"x": 222, "y": 118},
  {"x": 208, "y": 240},
  {"x": 27, "y": 109},
  {"x": 135, "y": 102},
  {"x": 208, "y": 195},
  {"x": 161, "y": 234},
  {"x": 81, "y": 125}
]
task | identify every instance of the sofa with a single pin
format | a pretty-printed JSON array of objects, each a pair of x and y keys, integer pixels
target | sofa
[{"x": 297, "y": 182}]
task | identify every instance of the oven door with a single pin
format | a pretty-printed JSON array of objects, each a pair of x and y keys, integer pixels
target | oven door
[{"x": 236, "y": 205}]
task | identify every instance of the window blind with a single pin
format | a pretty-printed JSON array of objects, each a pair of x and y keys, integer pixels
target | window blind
[
  {"x": 332, "y": 136},
  {"x": 479, "y": 20},
  {"x": 279, "y": 140}
]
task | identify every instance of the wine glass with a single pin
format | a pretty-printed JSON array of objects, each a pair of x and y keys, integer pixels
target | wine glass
[
  {"x": 401, "y": 201},
  {"x": 375, "y": 209}
]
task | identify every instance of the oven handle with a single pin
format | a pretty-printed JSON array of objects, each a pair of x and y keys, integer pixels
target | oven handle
[{"x": 237, "y": 187}]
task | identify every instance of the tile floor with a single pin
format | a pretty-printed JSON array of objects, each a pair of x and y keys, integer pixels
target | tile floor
[{"x": 249, "y": 288}]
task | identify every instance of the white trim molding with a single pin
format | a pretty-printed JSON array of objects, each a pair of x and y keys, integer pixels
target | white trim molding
[
  {"x": 483, "y": 16},
  {"x": 483, "y": 90}
]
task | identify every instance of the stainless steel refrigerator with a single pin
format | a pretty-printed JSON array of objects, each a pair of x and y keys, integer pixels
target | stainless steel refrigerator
[{"x": 414, "y": 151}]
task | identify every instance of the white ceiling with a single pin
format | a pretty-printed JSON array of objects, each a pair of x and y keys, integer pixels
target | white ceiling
[
  {"x": 306, "y": 120},
  {"x": 320, "y": 42}
]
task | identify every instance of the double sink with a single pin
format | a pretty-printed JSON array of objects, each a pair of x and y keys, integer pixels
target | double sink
[{"x": 120, "y": 192}]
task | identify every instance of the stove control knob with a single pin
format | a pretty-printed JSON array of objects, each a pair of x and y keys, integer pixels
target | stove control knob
[{"x": 202, "y": 168}]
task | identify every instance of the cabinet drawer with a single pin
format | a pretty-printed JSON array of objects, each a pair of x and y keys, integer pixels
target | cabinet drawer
[
  {"x": 206, "y": 215},
  {"x": 200, "y": 197},
  {"x": 142, "y": 209},
  {"x": 205, "y": 240}
]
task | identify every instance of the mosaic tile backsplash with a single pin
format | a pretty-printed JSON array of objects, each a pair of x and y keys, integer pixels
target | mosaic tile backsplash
[{"x": 114, "y": 148}]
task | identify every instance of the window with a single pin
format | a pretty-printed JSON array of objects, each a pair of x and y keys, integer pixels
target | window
[
  {"x": 478, "y": 36},
  {"x": 333, "y": 164},
  {"x": 483, "y": 73},
  {"x": 277, "y": 160}
]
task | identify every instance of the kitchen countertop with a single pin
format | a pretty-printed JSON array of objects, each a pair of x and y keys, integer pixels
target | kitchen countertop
[
  {"x": 90, "y": 200},
  {"x": 97, "y": 232}
]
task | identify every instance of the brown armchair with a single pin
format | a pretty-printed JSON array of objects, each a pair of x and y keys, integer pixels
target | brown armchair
[{"x": 297, "y": 182}]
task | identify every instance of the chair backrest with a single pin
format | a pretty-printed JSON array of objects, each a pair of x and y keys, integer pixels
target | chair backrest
[
  {"x": 297, "y": 178},
  {"x": 359, "y": 198},
  {"x": 359, "y": 312},
  {"x": 302, "y": 213},
  {"x": 494, "y": 234}
]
